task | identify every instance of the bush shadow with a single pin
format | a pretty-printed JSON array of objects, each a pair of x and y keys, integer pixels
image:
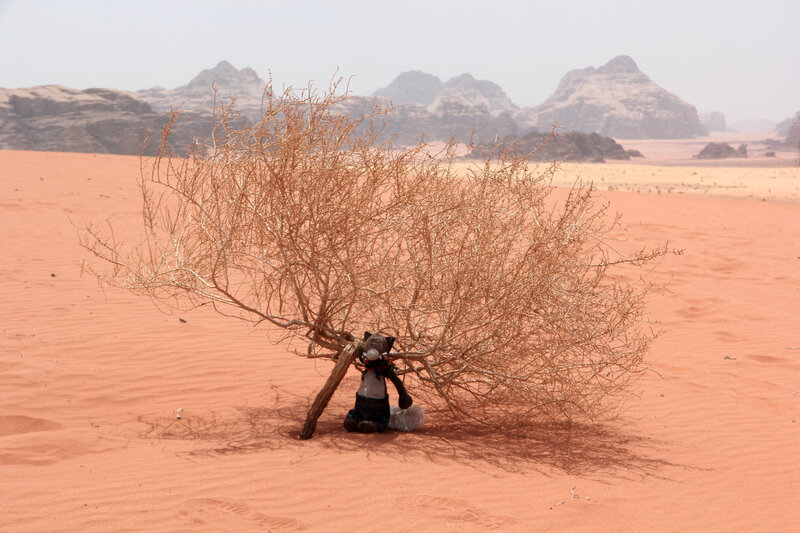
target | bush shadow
[{"x": 578, "y": 449}]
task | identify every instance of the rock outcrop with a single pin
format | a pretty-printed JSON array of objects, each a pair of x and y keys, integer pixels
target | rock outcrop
[
  {"x": 56, "y": 118},
  {"x": 454, "y": 117},
  {"x": 569, "y": 146},
  {"x": 713, "y": 121},
  {"x": 405, "y": 124},
  {"x": 721, "y": 151},
  {"x": 198, "y": 95},
  {"x": 617, "y": 100}
]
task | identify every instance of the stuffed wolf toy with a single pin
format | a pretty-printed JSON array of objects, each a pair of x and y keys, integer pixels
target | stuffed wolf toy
[{"x": 372, "y": 412}]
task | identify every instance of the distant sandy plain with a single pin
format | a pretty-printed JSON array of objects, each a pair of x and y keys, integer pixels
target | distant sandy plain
[{"x": 92, "y": 380}]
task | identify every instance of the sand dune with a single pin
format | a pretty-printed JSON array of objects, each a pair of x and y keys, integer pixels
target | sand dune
[{"x": 92, "y": 380}]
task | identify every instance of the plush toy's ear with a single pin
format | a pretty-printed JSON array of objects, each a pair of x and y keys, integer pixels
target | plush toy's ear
[
  {"x": 389, "y": 341},
  {"x": 367, "y": 335}
]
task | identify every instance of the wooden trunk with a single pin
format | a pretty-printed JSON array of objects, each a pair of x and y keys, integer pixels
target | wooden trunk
[{"x": 346, "y": 358}]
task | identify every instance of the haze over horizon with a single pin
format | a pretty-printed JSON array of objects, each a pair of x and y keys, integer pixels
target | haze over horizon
[{"x": 718, "y": 56}]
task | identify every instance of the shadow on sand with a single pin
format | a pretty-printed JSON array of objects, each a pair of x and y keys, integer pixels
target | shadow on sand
[{"x": 579, "y": 449}]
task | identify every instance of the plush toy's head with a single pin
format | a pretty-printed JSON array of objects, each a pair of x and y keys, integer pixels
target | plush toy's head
[{"x": 376, "y": 345}]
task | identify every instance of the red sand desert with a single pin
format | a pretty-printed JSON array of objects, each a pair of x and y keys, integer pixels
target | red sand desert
[{"x": 92, "y": 380}]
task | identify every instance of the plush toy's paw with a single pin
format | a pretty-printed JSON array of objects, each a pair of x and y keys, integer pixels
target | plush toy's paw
[
  {"x": 350, "y": 424},
  {"x": 367, "y": 426},
  {"x": 404, "y": 401}
]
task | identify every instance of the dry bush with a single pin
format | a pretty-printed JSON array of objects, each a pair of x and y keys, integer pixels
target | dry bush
[{"x": 501, "y": 298}]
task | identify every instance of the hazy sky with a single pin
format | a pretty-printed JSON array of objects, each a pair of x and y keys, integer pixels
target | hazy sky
[{"x": 738, "y": 57}]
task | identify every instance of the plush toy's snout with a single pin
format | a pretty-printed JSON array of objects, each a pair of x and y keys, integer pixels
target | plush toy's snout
[{"x": 372, "y": 354}]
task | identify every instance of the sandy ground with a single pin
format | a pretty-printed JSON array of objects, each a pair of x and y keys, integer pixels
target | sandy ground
[
  {"x": 91, "y": 380},
  {"x": 778, "y": 184},
  {"x": 682, "y": 151},
  {"x": 669, "y": 167}
]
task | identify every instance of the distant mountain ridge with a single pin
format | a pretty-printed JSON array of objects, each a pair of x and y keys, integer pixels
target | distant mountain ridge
[{"x": 614, "y": 100}]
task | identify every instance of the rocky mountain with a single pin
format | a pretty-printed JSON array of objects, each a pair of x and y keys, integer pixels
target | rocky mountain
[
  {"x": 415, "y": 87},
  {"x": 568, "y": 146},
  {"x": 408, "y": 123},
  {"x": 453, "y": 117},
  {"x": 198, "y": 96},
  {"x": 412, "y": 87},
  {"x": 405, "y": 123},
  {"x": 616, "y": 99},
  {"x": 463, "y": 107},
  {"x": 713, "y": 121},
  {"x": 468, "y": 91},
  {"x": 783, "y": 127},
  {"x": 56, "y": 118},
  {"x": 793, "y": 135}
]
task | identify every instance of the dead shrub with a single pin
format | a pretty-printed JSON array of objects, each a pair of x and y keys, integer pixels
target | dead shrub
[{"x": 502, "y": 299}]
